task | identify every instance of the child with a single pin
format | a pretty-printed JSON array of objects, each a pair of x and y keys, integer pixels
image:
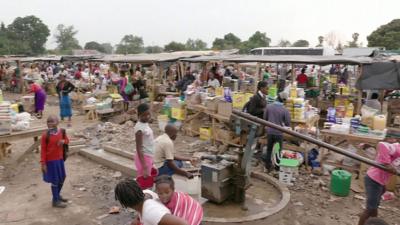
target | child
[
  {"x": 52, "y": 159},
  {"x": 376, "y": 179},
  {"x": 144, "y": 143},
  {"x": 151, "y": 212},
  {"x": 180, "y": 204}
]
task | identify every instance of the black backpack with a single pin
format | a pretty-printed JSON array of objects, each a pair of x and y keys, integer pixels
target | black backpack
[{"x": 65, "y": 146}]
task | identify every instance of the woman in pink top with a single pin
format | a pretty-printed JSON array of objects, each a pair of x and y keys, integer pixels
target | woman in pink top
[
  {"x": 180, "y": 204},
  {"x": 376, "y": 179}
]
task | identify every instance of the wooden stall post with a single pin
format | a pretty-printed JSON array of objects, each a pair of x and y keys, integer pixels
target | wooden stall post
[
  {"x": 359, "y": 98},
  {"x": 257, "y": 76},
  {"x": 293, "y": 74}
]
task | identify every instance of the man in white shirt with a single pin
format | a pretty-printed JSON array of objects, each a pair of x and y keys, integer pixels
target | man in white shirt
[
  {"x": 164, "y": 159},
  {"x": 151, "y": 212},
  {"x": 212, "y": 82}
]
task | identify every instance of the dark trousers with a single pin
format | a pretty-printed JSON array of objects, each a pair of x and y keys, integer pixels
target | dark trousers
[{"x": 272, "y": 139}]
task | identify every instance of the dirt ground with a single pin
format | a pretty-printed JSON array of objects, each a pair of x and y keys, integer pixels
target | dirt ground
[{"x": 89, "y": 186}]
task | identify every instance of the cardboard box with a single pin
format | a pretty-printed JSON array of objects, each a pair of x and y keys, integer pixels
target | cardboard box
[
  {"x": 178, "y": 113},
  {"x": 205, "y": 133},
  {"x": 223, "y": 134},
  {"x": 224, "y": 108},
  {"x": 219, "y": 91},
  {"x": 194, "y": 99},
  {"x": 5, "y": 127},
  {"x": 212, "y": 105},
  {"x": 238, "y": 100}
]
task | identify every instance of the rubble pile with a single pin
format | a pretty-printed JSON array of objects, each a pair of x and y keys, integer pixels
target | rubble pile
[{"x": 120, "y": 136}]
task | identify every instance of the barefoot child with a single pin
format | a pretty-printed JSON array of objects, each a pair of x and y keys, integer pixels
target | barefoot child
[
  {"x": 376, "y": 179},
  {"x": 144, "y": 143},
  {"x": 180, "y": 204},
  {"x": 151, "y": 212},
  {"x": 52, "y": 159}
]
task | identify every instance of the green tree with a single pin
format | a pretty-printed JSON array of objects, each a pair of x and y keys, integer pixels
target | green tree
[
  {"x": 284, "y": 43},
  {"x": 130, "y": 44},
  {"x": 65, "y": 39},
  {"x": 174, "y": 46},
  {"x": 92, "y": 45},
  {"x": 153, "y": 49},
  {"x": 108, "y": 48},
  {"x": 301, "y": 43},
  {"x": 257, "y": 40},
  {"x": 387, "y": 36},
  {"x": 320, "y": 41},
  {"x": 28, "y": 34},
  {"x": 4, "y": 46},
  {"x": 195, "y": 45},
  {"x": 230, "y": 41},
  {"x": 354, "y": 44}
]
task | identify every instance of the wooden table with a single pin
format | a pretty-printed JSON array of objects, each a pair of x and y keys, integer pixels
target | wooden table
[
  {"x": 354, "y": 139},
  {"x": 309, "y": 122},
  {"x": 35, "y": 132},
  {"x": 202, "y": 110}
]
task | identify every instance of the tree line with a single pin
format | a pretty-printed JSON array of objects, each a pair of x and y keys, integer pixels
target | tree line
[{"x": 28, "y": 36}]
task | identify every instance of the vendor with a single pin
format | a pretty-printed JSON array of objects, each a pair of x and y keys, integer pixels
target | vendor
[
  {"x": 139, "y": 86},
  {"x": 186, "y": 81},
  {"x": 258, "y": 102},
  {"x": 302, "y": 79},
  {"x": 275, "y": 113},
  {"x": 164, "y": 159},
  {"x": 212, "y": 81},
  {"x": 40, "y": 97},
  {"x": 374, "y": 102},
  {"x": 266, "y": 74}
]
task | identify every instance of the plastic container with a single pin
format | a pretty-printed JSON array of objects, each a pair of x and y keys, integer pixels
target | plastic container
[
  {"x": 379, "y": 122},
  {"x": 331, "y": 115},
  {"x": 350, "y": 110},
  {"x": 340, "y": 183},
  {"x": 190, "y": 186},
  {"x": 162, "y": 122}
]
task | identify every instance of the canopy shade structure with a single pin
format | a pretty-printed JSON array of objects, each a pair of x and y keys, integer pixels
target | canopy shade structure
[
  {"x": 151, "y": 58},
  {"x": 301, "y": 59},
  {"x": 380, "y": 76}
]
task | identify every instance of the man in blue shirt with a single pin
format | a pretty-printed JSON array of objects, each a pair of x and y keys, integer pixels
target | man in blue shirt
[{"x": 275, "y": 113}]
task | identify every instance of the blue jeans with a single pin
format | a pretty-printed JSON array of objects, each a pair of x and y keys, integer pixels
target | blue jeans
[{"x": 166, "y": 170}]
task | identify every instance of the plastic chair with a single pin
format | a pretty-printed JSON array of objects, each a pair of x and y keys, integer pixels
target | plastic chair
[{"x": 288, "y": 168}]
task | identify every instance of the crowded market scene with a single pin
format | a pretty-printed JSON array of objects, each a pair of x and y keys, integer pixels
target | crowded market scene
[{"x": 240, "y": 132}]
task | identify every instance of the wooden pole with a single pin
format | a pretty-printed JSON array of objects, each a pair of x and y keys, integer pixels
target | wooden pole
[
  {"x": 257, "y": 76},
  {"x": 293, "y": 74},
  {"x": 359, "y": 100}
]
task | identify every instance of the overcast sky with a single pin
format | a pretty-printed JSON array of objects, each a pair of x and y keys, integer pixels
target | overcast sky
[{"x": 162, "y": 21}]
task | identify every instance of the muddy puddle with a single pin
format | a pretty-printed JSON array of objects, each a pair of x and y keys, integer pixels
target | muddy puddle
[{"x": 259, "y": 197}]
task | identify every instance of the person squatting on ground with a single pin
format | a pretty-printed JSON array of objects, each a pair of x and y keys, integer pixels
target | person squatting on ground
[
  {"x": 52, "y": 159},
  {"x": 376, "y": 179},
  {"x": 151, "y": 212},
  {"x": 144, "y": 142},
  {"x": 165, "y": 159},
  {"x": 179, "y": 204}
]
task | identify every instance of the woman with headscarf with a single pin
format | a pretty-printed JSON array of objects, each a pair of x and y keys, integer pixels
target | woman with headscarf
[{"x": 63, "y": 88}]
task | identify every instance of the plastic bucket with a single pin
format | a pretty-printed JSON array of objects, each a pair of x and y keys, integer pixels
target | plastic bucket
[{"x": 340, "y": 183}]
